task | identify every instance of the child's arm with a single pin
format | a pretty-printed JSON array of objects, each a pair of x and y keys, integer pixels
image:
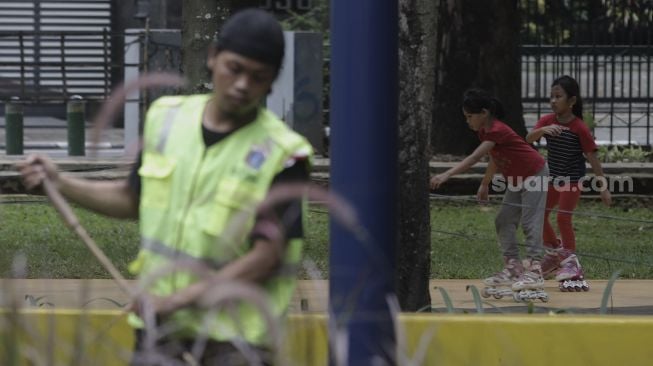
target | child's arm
[
  {"x": 592, "y": 158},
  {"x": 467, "y": 163},
  {"x": 551, "y": 130},
  {"x": 483, "y": 190}
]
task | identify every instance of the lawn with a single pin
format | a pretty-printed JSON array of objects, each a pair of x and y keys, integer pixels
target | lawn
[{"x": 463, "y": 240}]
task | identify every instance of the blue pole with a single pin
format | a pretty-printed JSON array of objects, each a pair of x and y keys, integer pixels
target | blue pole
[{"x": 364, "y": 129}]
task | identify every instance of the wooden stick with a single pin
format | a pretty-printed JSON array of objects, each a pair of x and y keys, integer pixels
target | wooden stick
[{"x": 64, "y": 209}]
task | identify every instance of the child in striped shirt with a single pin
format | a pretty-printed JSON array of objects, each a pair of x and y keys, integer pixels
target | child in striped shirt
[{"x": 569, "y": 144}]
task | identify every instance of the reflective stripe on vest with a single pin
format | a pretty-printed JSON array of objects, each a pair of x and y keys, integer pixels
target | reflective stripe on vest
[{"x": 165, "y": 130}]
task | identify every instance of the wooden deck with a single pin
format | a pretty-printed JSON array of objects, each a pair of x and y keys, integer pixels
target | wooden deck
[{"x": 628, "y": 296}]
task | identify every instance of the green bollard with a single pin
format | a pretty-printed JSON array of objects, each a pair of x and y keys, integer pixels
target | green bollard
[
  {"x": 76, "y": 127},
  {"x": 14, "y": 127}
]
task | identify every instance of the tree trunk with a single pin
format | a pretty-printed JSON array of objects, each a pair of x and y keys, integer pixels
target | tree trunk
[
  {"x": 416, "y": 86},
  {"x": 201, "y": 20},
  {"x": 478, "y": 45}
]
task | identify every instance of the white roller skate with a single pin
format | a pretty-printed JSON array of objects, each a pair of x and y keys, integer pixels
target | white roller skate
[
  {"x": 570, "y": 275},
  {"x": 530, "y": 285},
  {"x": 500, "y": 284}
]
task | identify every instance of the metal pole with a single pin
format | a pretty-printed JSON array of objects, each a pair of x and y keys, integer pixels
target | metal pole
[
  {"x": 76, "y": 126},
  {"x": 14, "y": 127},
  {"x": 364, "y": 102}
]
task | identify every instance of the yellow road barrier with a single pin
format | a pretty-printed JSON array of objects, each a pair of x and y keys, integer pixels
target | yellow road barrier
[{"x": 67, "y": 337}]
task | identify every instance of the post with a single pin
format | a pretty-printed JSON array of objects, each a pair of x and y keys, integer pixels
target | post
[
  {"x": 14, "y": 127},
  {"x": 364, "y": 132},
  {"x": 76, "y": 126}
]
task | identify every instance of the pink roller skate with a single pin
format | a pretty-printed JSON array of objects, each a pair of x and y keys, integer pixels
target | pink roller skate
[
  {"x": 570, "y": 275},
  {"x": 499, "y": 284},
  {"x": 551, "y": 260},
  {"x": 530, "y": 285}
]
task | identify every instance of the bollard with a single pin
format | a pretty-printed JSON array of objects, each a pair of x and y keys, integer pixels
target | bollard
[
  {"x": 14, "y": 127},
  {"x": 76, "y": 126}
]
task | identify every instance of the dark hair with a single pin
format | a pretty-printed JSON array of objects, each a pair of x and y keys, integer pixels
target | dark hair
[
  {"x": 253, "y": 33},
  {"x": 475, "y": 100},
  {"x": 571, "y": 88}
]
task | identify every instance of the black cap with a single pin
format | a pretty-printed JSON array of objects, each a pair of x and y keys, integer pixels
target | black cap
[{"x": 255, "y": 34}]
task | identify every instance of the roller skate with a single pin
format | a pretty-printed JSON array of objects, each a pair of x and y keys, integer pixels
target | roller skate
[
  {"x": 551, "y": 261},
  {"x": 499, "y": 285},
  {"x": 570, "y": 276},
  {"x": 530, "y": 285}
]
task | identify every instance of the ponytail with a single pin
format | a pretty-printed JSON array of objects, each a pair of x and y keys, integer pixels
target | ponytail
[{"x": 497, "y": 108}]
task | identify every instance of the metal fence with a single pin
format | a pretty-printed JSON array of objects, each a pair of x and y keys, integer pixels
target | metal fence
[
  {"x": 50, "y": 49},
  {"x": 606, "y": 46}
]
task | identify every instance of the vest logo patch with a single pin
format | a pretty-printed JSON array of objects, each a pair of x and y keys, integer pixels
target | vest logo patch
[{"x": 255, "y": 158}]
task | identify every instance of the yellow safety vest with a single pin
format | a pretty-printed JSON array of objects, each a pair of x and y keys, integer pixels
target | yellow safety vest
[{"x": 190, "y": 196}]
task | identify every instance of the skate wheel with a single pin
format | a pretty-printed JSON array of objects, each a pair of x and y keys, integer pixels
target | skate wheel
[
  {"x": 578, "y": 288},
  {"x": 516, "y": 297},
  {"x": 562, "y": 287},
  {"x": 586, "y": 288},
  {"x": 545, "y": 298},
  {"x": 497, "y": 296},
  {"x": 485, "y": 293}
]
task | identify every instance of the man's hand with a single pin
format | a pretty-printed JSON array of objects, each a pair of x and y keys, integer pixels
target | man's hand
[{"x": 35, "y": 169}]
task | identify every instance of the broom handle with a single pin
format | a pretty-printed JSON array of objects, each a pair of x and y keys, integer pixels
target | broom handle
[{"x": 64, "y": 209}]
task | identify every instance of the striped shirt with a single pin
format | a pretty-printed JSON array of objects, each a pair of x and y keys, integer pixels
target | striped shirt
[{"x": 565, "y": 152}]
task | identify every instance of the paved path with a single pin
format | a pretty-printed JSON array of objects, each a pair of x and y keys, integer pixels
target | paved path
[{"x": 628, "y": 296}]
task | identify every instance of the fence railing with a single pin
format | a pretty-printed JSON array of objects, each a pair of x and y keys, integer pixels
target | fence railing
[{"x": 615, "y": 85}]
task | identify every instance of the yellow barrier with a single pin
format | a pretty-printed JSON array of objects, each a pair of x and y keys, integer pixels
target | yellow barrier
[{"x": 47, "y": 337}]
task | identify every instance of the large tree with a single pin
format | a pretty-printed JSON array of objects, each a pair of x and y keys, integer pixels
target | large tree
[
  {"x": 200, "y": 21},
  {"x": 416, "y": 86},
  {"x": 477, "y": 45}
]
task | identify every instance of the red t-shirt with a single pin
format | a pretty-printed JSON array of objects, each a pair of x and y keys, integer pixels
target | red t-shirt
[
  {"x": 514, "y": 157},
  {"x": 565, "y": 152}
]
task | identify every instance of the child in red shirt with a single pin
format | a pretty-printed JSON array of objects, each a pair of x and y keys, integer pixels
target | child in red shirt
[
  {"x": 569, "y": 143},
  {"x": 525, "y": 172}
]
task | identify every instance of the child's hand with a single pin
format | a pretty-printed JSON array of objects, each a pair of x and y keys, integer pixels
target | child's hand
[
  {"x": 437, "y": 180},
  {"x": 606, "y": 197},
  {"x": 554, "y": 130},
  {"x": 482, "y": 196}
]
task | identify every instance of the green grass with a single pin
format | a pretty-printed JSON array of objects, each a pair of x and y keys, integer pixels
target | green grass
[
  {"x": 465, "y": 246},
  {"x": 463, "y": 241},
  {"x": 53, "y": 251}
]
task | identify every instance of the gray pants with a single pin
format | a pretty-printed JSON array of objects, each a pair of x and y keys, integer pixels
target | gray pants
[{"x": 526, "y": 204}]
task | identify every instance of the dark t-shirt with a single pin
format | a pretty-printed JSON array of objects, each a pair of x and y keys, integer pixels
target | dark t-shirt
[
  {"x": 566, "y": 151},
  {"x": 297, "y": 171}
]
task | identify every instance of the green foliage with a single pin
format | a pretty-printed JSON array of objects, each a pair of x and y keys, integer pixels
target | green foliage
[
  {"x": 569, "y": 22},
  {"x": 637, "y": 11},
  {"x": 314, "y": 20},
  {"x": 625, "y": 154},
  {"x": 607, "y": 293},
  {"x": 477, "y": 298},
  {"x": 447, "y": 300}
]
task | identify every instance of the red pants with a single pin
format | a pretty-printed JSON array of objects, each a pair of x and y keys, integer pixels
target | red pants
[{"x": 566, "y": 198}]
